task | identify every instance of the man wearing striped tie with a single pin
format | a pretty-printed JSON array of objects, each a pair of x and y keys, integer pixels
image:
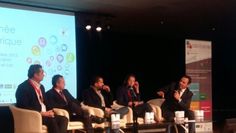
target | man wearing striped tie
[{"x": 59, "y": 97}]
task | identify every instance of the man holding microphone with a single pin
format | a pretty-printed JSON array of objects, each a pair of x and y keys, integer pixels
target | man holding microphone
[{"x": 177, "y": 98}]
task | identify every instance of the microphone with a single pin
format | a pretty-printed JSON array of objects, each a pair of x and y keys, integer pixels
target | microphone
[{"x": 133, "y": 94}]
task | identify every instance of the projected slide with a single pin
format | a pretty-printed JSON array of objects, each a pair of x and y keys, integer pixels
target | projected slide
[{"x": 32, "y": 37}]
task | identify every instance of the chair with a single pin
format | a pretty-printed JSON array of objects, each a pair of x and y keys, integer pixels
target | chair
[
  {"x": 156, "y": 106},
  {"x": 27, "y": 121},
  {"x": 96, "y": 112},
  {"x": 72, "y": 125},
  {"x": 128, "y": 118}
]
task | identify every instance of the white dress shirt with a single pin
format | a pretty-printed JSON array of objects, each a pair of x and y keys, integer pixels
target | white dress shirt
[
  {"x": 37, "y": 85},
  {"x": 181, "y": 92}
]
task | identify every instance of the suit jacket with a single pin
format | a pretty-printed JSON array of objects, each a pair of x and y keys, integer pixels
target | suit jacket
[
  {"x": 56, "y": 101},
  {"x": 91, "y": 98},
  {"x": 123, "y": 98},
  {"x": 171, "y": 103},
  {"x": 26, "y": 97}
]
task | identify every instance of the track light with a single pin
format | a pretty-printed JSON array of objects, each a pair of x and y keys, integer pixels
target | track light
[
  {"x": 99, "y": 29},
  {"x": 88, "y": 27}
]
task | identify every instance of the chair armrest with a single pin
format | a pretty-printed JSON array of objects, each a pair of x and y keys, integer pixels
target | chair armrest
[
  {"x": 61, "y": 112},
  {"x": 129, "y": 116},
  {"x": 26, "y": 120},
  {"x": 157, "y": 101},
  {"x": 92, "y": 110},
  {"x": 116, "y": 106},
  {"x": 157, "y": 111}
]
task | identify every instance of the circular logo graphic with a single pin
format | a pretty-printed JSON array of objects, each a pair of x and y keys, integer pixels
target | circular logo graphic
[
  {"x": 35, "y": 50},
  {"x": 64, "y": 47},
  {"x": 29, "y": 60},
  {"x": 42, "y": 42},
  {"x": 70, "y": 57},
  {"x": 51, "y": 58},
  {"x": 53, "y": 39},
  {"x": 59, "y": 67},
  {"x": 48, "y": 63},
  {"x": 60, "y": 58},
  {"x": 67, "y": 72}
]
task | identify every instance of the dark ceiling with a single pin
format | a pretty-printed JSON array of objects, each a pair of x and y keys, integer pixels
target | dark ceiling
[{"x": 150, "y": 15}]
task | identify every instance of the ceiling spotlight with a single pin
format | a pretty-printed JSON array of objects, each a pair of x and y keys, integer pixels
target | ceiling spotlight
[
  {"x": 99, "y": 29},
  {"x": 108, "y": 27},
  {"x": 88, "y": 27}
]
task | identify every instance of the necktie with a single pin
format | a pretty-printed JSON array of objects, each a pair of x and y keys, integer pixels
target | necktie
[{"x": 63, "y": 96}]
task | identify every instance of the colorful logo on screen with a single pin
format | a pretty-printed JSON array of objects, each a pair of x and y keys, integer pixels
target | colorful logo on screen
[
  {"x": 36, "y": 50},
  {"x": 70, "y": 57},
  {"x": 42, "y": 42}
]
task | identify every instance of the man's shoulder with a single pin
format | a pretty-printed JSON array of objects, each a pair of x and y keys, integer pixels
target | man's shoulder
[
  {"x": 189, "y": 91},
  {"x": 50, "y": 91},
  {"x": 24, "y": 84},
  {"x": 66, "y": 91}
]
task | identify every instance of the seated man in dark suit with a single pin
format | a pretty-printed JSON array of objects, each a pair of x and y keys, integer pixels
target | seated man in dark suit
[
  {"x": 59, "y": 97},
  {"x": 128, "y": 95},
  {"x": 177, "y": 98},
  {"x": 99, "y": 96},
  {"x": 31, "y": 95}
]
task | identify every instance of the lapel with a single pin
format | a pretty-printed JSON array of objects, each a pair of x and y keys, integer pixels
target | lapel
[
  {"x": 58, "y": 96},
  {"x": 33, "y": 91},
  {"x": 185, "y": 93},
  {"x": 97, "y": 97}
]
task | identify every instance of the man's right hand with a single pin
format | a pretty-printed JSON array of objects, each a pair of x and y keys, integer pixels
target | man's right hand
[
  {"x": 106, "y": 88},
  {"x": 49, "y": 113},
  {"x": 161, "y": 93}
]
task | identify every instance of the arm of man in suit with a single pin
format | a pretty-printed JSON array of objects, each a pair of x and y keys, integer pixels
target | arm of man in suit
[
  {"x": 88, "y": 100},
  {"x": 71, "y": 98},
  {"x": 51, "y": 101},
  {"x": 162, "y": 92},
  {"x": 185, "y": 102},
  {"x": 23, "y": 97},
  {"x": 108, "y": 98}
]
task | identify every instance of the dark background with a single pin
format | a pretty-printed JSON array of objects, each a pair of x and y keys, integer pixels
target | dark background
[{"x": 156, "y": 58}]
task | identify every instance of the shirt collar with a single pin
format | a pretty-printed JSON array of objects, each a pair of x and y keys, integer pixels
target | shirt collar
[
  {"x": 35, "y": 83},
  {"x": 183, "y": 90},
  {"x": 95, "y": 89},
  {"x": 57, "y": 90}
]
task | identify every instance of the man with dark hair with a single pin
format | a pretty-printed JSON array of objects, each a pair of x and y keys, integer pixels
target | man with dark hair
[
  {"x": 177, "y": 98},
  {"x": 100, "y": 96},
  {"x": 59, "y": 97},
  {"x": 31, "y": 95}
]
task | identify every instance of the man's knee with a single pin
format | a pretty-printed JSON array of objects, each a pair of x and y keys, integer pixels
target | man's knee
[
  {"x": 61, "y": 119},
  {"x": 190, "y": 114}
]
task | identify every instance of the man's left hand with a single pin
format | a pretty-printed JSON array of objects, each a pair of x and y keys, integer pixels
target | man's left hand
[{"x": 177, "y": 96}]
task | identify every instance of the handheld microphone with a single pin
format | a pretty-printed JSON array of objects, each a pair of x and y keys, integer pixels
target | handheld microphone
[{"x": 133, "y": 94}]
